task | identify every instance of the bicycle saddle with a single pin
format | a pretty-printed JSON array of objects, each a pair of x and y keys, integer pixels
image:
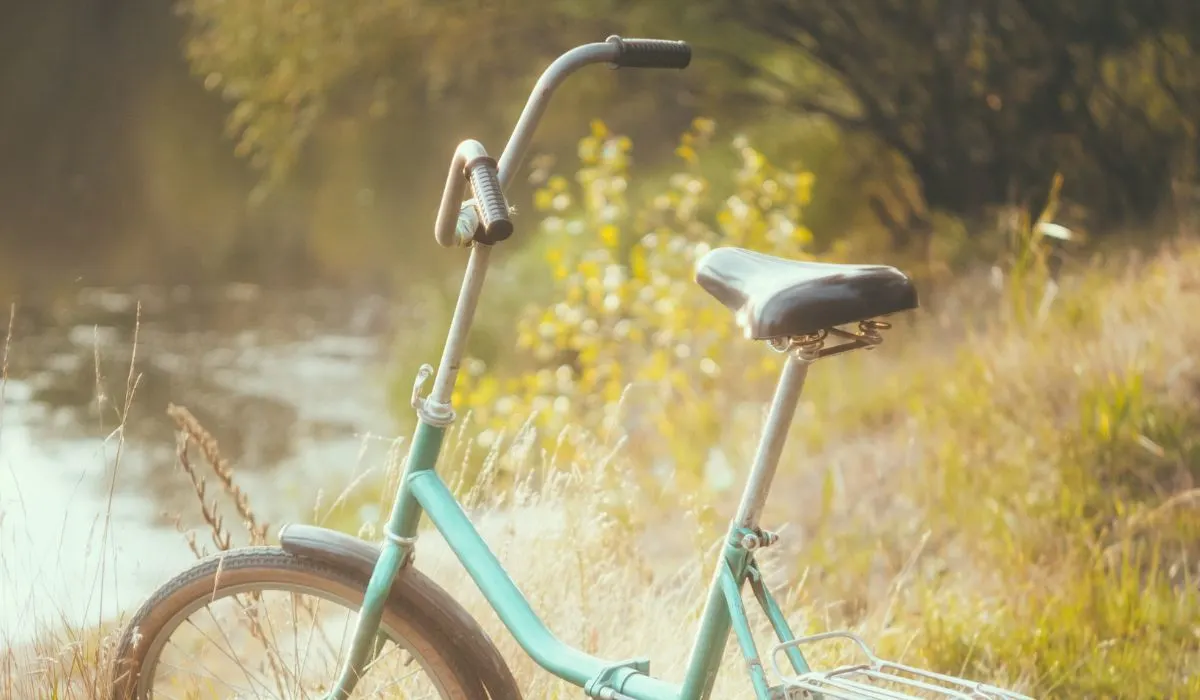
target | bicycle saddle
[{"x": 779, "y": 298}]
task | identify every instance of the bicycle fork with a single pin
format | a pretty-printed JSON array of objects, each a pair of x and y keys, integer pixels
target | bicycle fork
[{"x": 396, "y": 552}]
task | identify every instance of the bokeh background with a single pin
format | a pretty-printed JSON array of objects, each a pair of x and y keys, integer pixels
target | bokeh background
[{"x": 228, "y": 205}]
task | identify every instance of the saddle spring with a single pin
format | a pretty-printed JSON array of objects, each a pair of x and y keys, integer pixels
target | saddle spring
[{"x": 812, "y": 347}]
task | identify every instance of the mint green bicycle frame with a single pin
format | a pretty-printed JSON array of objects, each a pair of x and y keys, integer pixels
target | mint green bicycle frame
[{"x": 423, "y": 491}]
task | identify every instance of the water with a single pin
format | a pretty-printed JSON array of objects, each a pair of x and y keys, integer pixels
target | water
[{"x": 292, "y": 384}]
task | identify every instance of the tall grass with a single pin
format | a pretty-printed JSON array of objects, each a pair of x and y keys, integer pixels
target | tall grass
[
  {"x": 65, "y": 660},
  {"x": 1004, "y": 495}
]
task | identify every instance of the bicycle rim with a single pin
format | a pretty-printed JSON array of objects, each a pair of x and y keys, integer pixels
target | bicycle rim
[{"x": 273, "y": 626}]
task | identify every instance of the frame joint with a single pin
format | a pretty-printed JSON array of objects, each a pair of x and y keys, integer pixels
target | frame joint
[
  {"x": 407, "y": 545},
  {"x": 609, "y": 680},
  {"x": 434, "y": 413},
  {"x": 751, "y": 539}
]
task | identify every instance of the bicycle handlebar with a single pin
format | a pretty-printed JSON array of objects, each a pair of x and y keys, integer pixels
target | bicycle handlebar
[
  {"x": 489, "y": 199},
  {"x": 485, "y": 219},
  {"x": 651, "y": 53},
  {"x": 472, "y": 165}
]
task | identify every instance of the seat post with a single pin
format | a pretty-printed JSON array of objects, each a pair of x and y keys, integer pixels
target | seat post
[{"x": 770, "y": 447}]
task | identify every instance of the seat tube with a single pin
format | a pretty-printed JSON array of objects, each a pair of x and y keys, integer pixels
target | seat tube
[
  {"x": 770, "y": 447},
  {"x": 717, "y": 619}
]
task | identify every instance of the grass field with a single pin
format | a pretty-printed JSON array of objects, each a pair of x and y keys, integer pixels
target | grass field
[{"x": 995, "y": 492}]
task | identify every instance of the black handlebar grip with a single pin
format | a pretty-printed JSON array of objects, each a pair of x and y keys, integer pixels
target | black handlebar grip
[
  {"x": 494, "y": 224},
  {"x": 651, "y": 53}
]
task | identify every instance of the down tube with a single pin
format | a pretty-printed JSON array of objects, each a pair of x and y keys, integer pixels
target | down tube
[{"x": 527, "y": 628}]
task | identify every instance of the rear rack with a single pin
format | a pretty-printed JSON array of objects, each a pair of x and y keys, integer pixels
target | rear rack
[{"x": 876, "y": 679}]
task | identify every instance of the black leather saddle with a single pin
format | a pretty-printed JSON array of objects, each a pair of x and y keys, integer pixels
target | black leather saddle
[{"x": 779, "y": 298}]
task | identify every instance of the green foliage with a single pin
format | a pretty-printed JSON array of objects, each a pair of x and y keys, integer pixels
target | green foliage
[
  {"x": 989, "y": 100},
  {"x": 290, "y": 70},
  {"x": 283, "y": 64},
  {"x": 628, "y": 345},
  {"x": 1057, "y": 483},
  {"x": 903, "y": 111},
  {"x": 982, "y": 105},
  {"x": 1091, "y": 633}
]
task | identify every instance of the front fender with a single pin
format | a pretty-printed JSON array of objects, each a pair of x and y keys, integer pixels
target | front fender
[{"x": 416, "y": 592}]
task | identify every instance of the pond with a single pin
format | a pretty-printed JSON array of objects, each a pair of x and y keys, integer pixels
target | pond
[{"x": 293, "y": 384}]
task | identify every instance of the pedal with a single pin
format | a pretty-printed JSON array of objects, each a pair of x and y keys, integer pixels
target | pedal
[{"x": 877, "y": 679}]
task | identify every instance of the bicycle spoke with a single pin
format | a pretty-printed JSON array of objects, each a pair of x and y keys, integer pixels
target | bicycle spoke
[
  {"x": 196, "y": 658},
  {"x": 311, "y": 632},
  {"x": 211, "y": 676},
  {"x": 256, "y": 631},
  {"x": 396, "y": 682},
  {"x": 295, "y": 641},
  {"x": 273, "y": 651},
  {"x": 232, "y": 656}
]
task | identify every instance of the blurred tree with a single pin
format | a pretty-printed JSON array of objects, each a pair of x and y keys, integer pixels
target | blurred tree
[
  {"x": 360, "y": 104},
  {"x": 984, "y": 101},
  {"x": 112, "y": 164},
  {"x": 903, "y": 110},
  {"x": 987, "y": 100},
  {"x": 111, "y": 160},
  {"x": 290, "y": 67}
]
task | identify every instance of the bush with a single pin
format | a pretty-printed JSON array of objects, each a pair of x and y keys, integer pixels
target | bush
[{"x": 627, "y": 344}]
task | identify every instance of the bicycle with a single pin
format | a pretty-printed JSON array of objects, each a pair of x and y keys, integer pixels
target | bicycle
[{"x": 796, "y": 307}]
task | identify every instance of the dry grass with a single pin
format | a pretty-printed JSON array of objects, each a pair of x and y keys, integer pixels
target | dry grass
[
  {"x": 1019, "y": 506},
  {"x": 65, "y": 661}
]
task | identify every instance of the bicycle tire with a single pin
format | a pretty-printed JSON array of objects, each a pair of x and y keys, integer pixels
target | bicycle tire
[{"x": 270, "y": 568}]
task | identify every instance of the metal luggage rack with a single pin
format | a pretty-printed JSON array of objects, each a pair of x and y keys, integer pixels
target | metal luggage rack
[{"x": 876, "y": 679}]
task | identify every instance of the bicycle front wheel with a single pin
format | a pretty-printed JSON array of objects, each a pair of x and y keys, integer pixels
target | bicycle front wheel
[{"x": 261, "y": 623}]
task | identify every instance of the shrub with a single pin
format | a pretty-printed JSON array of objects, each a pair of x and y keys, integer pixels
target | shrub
[{"x": 628, "y": 344}]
